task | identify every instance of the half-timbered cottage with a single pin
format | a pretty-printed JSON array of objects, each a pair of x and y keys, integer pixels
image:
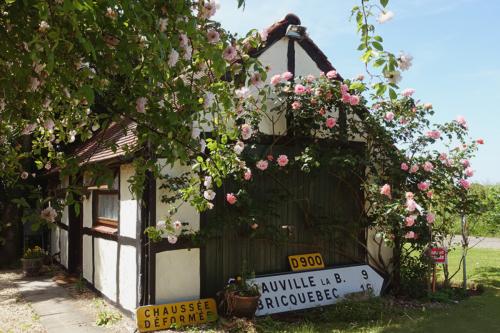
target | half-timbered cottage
[{"x": 106, "y": 241}]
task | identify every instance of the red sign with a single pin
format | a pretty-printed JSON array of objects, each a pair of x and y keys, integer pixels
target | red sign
[{"x": 438, "y": 254}]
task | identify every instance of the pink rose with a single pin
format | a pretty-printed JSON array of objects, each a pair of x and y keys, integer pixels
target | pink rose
[
  {"x": 465, "y": 163},
  {"x": 428, "y": 166},
  {"x": 270, "y": 157},
  {"x": 427, "y": 106},
  {"x": 462, "y": 122},
  {"x": 408, "y": 92},
  {"x": 261, "y": 165},
  {"x": 344, "y": 88},
  {"x": 310, "y": 78},
  {"x": 409, "y": 195},
  {"x": 296, "y": 105},
  {"x": 410, "y": 235},
  {"x": 386, "y": 190},
  {"x": 403, "y": 121},
  {"x": 231, "y": 198},
  {"x": 430, "y": 194},
  {"x": 346, "y": 98},
  {"x": 275, "y": 79},
  {"x": 434, "y": 134},
  {"x": 229, "y": 53},
  {"x": 423, "y": 186},
  {"x": 213, "y": 36},
  {"x": 246, "y": 131},
  {"x": 331, "y": 74},
  {"x": 248, "y": 174},
  {"x": 411, "y": 205},
  {"x": 430, "y": 218},
  {"x": 404, "y": 166},
  {"x": 480, "y": 141},
  {"x": 389, "y": 116},
  {"x": 469, "y": 172},
  {"x": 282, "y": 160},
  {"x": 443, "y": 156},
  {"x": 410, "y": 220},
  {"x": 300, "y": 89},
  {"x": 287, "y": 76},
  {"x": 414, "y": 168},
  {"x": 464, "y": 183},
  {"x": 354, "y": 100},
  {"x": 331, "y": 122}
]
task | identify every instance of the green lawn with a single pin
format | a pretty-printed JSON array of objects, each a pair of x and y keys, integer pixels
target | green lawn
[{"x": 476, "y": 314}]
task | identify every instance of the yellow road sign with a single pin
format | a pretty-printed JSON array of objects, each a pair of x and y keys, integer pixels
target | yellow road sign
[
  {"x": 157, "y": 317},
  {"x": 301, "y": 262}
]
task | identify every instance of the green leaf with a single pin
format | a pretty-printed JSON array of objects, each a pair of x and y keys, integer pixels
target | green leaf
[
  {"x": 88, "y": 93},
  {"x": 392, "y": 94},
  {"x": 384, "y": 2},
  {"x": 378, "y": 46}
]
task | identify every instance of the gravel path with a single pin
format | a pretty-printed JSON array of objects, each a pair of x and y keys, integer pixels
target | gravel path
[{"x": 16, "y": 314}]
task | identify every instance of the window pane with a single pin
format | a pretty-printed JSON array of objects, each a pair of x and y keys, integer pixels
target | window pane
[{"x": 108, "y": 206}]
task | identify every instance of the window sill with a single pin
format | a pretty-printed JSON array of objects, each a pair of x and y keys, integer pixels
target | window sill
[{"x": 105, "y": 230}]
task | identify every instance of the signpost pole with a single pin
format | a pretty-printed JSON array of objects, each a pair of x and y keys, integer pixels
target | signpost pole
[{"x": 464, "y": 250}]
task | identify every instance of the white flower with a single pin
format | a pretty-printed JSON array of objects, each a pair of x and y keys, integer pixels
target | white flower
[
  {"x": 238, "y": 147},
  {"x": 48, "y": 165},
  {"x": 404, "y": 61},
  {"x": 161, "y": 225},
  {"x": 393, "y": 77},
  {"x": 173, "y": 57},
  {"x": 43, "y": 26},
  {"x": 385, "y": 16},
  {"x": 188, "y": 52},
  {"x": 203, "y": 145},
  {"x": 263, "y": 35},
  {"x": 243, "y": 92},
  {"x": 24, "y": 175},
  {"x": 210, "y": 205},
  {"x": 49, "y": 214},
  {"x": 172, "y": 239},
  {"x": 177, "y": 224},
  {"x": 208, "y": 182},
  {"x": 209, "y": 195},
  {"x": 183, "y": 40},
  {"x": 140, "y": 104},
  {"x": 162, "y": 24},
  {"x": 72, "y": 136}
]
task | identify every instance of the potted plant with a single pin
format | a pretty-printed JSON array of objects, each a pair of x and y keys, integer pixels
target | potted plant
[
  {"x": 240, "y": 298},
  {"x": 32, "y": 261}
]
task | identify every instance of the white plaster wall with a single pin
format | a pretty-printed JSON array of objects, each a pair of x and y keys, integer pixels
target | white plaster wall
[
  {"x": 87, "y": 258},
  {"x": 63, "y": 234},
  {"x": 128, "y": 277},
  {"x": 54, "y": 240},
  {"x": 274, "y": 57},
  {"x": 87, "y": 210},
  {"x": 186, "y": 212},
  {"x": 304, "y": 65},
  {"x": 105, "y": 255},
  {"x": 177, "y": 276},
  {"x": 385, "y": 251},
  {"x": 128, "y": 204}
]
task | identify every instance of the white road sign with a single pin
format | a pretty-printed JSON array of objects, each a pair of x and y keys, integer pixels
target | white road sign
[{"x": 302, "y": 290}]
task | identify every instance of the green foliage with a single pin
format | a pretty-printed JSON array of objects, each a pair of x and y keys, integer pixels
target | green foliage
[{"x": 105, "y": 315}]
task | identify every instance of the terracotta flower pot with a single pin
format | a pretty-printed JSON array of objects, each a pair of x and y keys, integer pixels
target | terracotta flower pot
[
  {"x": 243, "y": 306},
  {"x": 32, "y": 266}
]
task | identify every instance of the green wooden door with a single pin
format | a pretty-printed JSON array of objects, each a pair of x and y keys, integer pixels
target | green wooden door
[{"x": 299, "y": 213}]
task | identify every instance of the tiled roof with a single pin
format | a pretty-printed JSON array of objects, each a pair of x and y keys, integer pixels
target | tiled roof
[{"x": 120, "y": 134}]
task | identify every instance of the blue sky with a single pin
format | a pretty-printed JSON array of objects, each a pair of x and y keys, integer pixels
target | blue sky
[{"x": 455, "y": 45}]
